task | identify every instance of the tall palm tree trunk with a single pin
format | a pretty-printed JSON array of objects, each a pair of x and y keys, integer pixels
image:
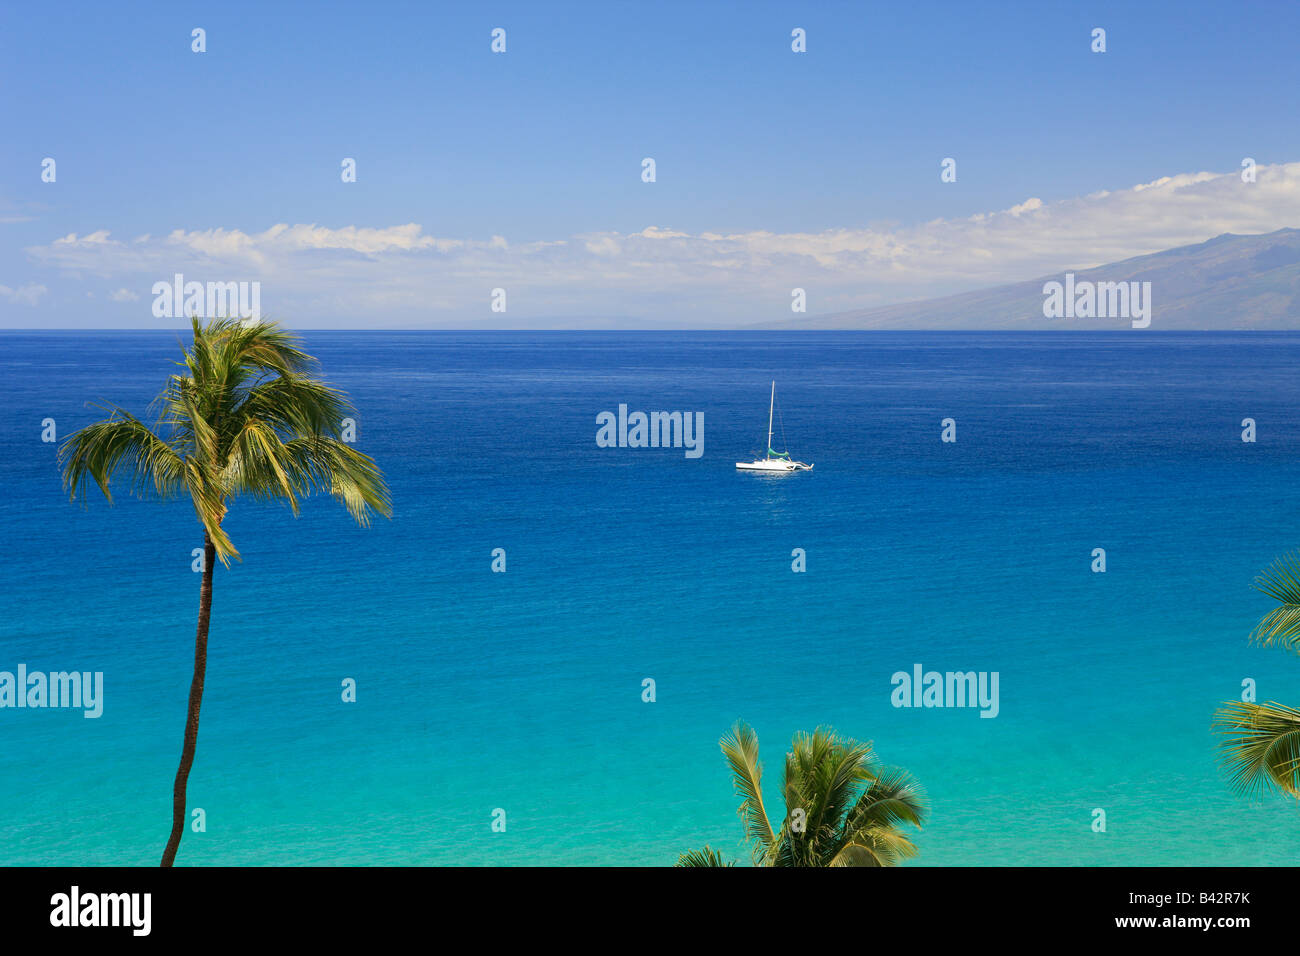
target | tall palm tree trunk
[{"x": 196, "y": 700}]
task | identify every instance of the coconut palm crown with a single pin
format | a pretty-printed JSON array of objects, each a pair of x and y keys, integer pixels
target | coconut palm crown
[
  {"x": 242, "y": 417},
  {"x": 842, "y": 808}
]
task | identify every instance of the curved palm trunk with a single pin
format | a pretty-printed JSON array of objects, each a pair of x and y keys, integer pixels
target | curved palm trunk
[{"x": 196, "y": 700}]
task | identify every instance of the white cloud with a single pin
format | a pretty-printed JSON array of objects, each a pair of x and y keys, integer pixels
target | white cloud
[
  {"x": 362, "y": 276},
  {"x": 124, "y": 295},
  {"x": 26, "y": 294}
]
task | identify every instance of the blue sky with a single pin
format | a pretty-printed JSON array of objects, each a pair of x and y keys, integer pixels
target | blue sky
[{"x": 542, "y": 148}]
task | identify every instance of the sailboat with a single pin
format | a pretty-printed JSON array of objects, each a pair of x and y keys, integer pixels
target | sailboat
[{"x": 779, "y": 462}]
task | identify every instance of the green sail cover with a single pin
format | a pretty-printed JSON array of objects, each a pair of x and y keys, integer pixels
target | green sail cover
[{"x": 778, "y": 454}]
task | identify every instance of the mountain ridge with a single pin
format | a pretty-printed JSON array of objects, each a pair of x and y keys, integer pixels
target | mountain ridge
[{"x": 1230, "y": 281}]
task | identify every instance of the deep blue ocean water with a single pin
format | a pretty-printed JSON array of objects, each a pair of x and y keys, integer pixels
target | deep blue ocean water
[{"x": 522, "y": 690}]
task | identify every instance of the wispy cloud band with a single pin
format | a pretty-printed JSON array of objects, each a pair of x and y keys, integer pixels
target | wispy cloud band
[{"x": 361, "y": 276}]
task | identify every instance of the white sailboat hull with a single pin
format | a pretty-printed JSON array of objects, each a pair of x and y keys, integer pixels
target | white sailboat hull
[{"x": 773, "y": 465}]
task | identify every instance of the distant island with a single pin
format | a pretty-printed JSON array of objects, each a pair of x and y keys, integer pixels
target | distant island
[{"x": 1228, "y": 282}]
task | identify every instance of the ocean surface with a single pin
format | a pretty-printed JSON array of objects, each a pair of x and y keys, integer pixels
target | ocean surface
[{"x": 523, "y": 691}]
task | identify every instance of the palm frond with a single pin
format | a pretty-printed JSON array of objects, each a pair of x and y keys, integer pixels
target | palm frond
[
  {"x": 873, "y": 832},
  {"x": 209, "y": 499},
  {"x": 860, "y": 854},
  {"x": 740, "y": 747},
  {"x": 295, "y": 405},
  {"x": 875, "y": 848},
  {"x": 352, "y": 477},
  {"x": 1260, "y": 746},
  {"x": 1281, "y": 626},
  {"x": 894, "y": 799},
  {"x": 258, "y": 464},
  {"x": 261, "y": 347},
  {"x": 121, "y": 443},
  {"x": 791, "y": 847},
  {"x": 702, "y": 857},
  {"x": 839, "y": 774}
]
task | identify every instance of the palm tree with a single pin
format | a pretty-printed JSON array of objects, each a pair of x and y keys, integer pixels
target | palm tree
[
  {"x": 1260, "y": 746},
  {"x": 243, "y": 416},
  {"x": 842, "y": 807}
]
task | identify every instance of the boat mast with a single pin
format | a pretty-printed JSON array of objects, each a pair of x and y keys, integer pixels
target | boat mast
[{"x": 771, "y": 405}]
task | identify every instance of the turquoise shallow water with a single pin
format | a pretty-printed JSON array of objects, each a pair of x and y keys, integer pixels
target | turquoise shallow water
[{"x": 523, "y": 690}]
